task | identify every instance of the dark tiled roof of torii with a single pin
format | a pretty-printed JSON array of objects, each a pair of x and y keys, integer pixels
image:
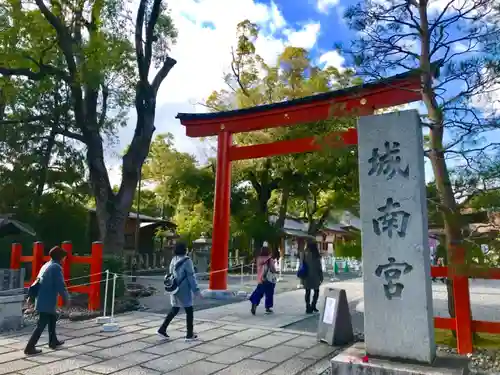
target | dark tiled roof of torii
[{"x": 309, "y": 99}]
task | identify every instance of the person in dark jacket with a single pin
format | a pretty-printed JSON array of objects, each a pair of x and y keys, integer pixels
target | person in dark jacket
[
  {"x": 313, "y": 278},
  {"x": 52, "y": 285}
]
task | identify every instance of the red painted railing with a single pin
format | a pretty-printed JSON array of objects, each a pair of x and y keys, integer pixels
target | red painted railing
[
  {"x": 92, "y": 288},
  {"x": 463, "y": 323}
]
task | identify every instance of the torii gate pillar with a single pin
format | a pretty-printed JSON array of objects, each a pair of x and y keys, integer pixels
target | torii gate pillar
[{"x": 222, "y": 201}]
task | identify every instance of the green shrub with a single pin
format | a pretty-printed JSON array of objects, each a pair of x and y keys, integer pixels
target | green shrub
[{"x": 349, "y": 249}]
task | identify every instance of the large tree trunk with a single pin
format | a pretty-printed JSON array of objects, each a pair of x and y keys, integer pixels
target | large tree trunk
[
  {"x": 3, "y": 103},
  {"x": 113, "y": 209},
  {"x": 43, "y": 171},
  {"x": 449, "y": 210},
  {"x": 113, "y": 228}
]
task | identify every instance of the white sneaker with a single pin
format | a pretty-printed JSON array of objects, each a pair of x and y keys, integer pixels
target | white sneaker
[{"x": 192, "y": 338}]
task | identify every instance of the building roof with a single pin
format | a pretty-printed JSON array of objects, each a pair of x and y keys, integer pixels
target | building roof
[
  {"x": 297, "y": 233},
  {"x": 142, "y": 217},
  {"x": 299, "y": 227}
]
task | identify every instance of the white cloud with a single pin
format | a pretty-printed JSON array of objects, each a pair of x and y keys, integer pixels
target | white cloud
[
  {"x": 304, "y": 38},
  {"x": 439, "y": 5},
  {"x": 332, "y": 58},
  {"x": 207, "y": 31},
  {"x": 488, "y": 99},
  {"x": 324, "y": 6},
  {"x": 278, "y": 21},
  {"x": 203, "y": 52}
]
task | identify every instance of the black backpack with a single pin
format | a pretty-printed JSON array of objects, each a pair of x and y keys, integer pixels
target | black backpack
[{"x": 171, "y": 283}]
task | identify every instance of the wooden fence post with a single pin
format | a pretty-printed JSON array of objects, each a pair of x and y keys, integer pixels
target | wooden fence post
[
  {"x": 37, "y": 262},
  {"x": 96, "y": 276},
  {"x": 15, "y": 256},
  {"x": 68, "y": 247}
]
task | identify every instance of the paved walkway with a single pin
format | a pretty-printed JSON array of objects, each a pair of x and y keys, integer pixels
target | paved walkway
[
  {"x": 223, "y": 348},
  {"x": 159, "y": 303},
  {"x": 232, "y": 341},
  {"x": 484, "y": 295}
]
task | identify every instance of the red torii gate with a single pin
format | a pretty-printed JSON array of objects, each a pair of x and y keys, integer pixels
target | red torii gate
[{"x": 358, "y": 100}]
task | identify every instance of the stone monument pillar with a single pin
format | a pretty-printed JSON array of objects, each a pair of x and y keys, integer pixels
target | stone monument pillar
[{"x": 396, "y": 262}]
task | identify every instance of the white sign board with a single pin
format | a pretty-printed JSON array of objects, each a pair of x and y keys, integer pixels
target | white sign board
[{"x": 329, "y": 310}]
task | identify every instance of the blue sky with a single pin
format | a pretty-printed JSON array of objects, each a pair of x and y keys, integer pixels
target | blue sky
[{"x": 206, "y": 35}]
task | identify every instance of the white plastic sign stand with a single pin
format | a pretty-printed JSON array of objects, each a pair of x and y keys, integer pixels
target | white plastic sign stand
[
  {"x": 334, "y": 325},
  {"x": 105, "y": 319},
  {"x": 112, "y": 326}
]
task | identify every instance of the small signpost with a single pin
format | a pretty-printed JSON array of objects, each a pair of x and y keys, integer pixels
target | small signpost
[{"x": 334, "y": 325}]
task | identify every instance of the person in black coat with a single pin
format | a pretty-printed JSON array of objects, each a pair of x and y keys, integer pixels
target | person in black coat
[{"x": 313, "y": 278}]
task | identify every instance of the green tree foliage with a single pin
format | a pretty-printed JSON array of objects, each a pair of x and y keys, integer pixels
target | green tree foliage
[
  {"x": 253, "y": 82},
  {"x": 192, "y": 220},
  {"x": 349, "y": 249},
  {"x": 183, "y": 188},
  {"x": 400, "y": 35},
  {"x": 83, "y": 52}
]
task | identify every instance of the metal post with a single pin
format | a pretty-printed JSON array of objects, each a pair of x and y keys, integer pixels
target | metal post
[
  {"x": 106, "y": 293},
  {"x": 115, "y": 276}
]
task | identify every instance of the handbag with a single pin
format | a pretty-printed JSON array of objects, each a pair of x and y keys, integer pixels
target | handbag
[{"x": 302, "y": 272}]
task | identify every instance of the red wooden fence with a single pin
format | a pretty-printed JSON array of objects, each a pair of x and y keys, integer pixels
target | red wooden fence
[
  {"x": 463, "y": 323},
  {"x": 93, "y": 287}
]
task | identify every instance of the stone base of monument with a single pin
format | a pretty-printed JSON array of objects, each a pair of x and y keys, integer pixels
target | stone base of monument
[
  {"x": 352, "y": 361},
  {"x": 11, "y": 313},
  {"x": 217, "y": 294}
]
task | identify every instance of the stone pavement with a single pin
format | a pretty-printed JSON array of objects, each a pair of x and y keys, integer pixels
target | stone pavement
[
  {"x": 289, "y": 308},
  {"x": 484, "y": 295},
  {"x": 223, "y": 348},
  {"x": 159, "y": 303}
]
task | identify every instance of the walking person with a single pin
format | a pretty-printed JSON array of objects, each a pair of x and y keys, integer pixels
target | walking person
[
  {"x": 266, "y": 278},
  {"x": 440, "y": 263},
  {"x": 181, "y": 267},
  {"x": 313, "y": 277},
  {"x": 51, "y": 284},
  {"x": 434, "y": 262}
]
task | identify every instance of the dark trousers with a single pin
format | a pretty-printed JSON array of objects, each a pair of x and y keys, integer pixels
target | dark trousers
[
  {"x": 172, "y": 314},
  {"x": 44, "y": 319},
  {"x": 263, "y": 289},
  {"x": 311, "y": 304}
]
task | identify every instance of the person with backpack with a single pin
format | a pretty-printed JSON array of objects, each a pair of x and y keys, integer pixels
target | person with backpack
[
  {"x": 48, "y": 285},
  {"x": 311, "y": 276},
  {"x": 181, "y": 283},
  {"x": 266, "y": 278}
]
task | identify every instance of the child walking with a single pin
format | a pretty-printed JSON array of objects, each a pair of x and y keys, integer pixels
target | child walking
[{"x": 266, "y": 278}]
